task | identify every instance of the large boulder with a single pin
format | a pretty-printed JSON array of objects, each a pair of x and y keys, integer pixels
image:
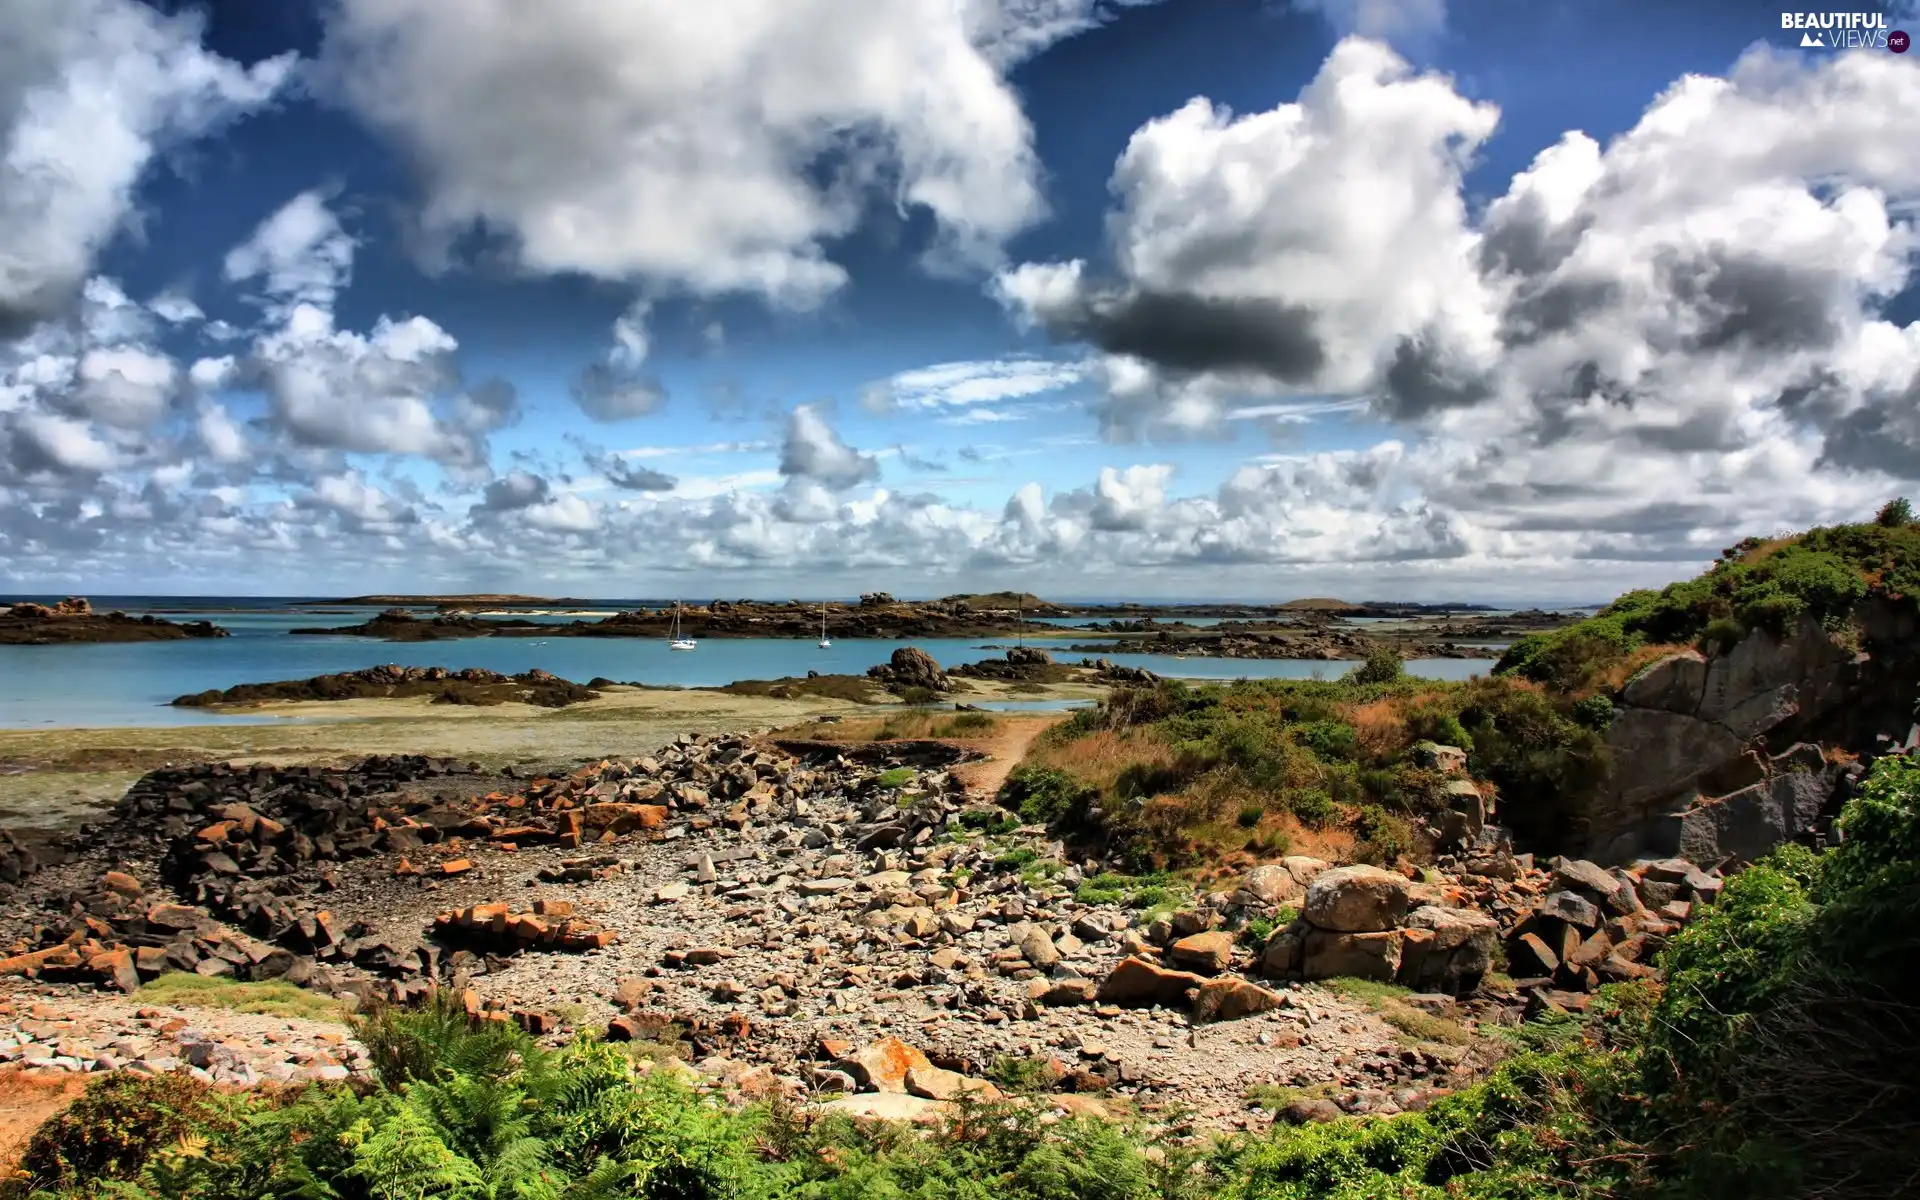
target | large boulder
[
  {"x": 1137, "y": 981},
  {"x": 1447, "y": 949},
  {"x": 911, "y": 666},
  {"x": 1356, "y": 899},
  {"x": 1330, "y": 955},
  {"x": 1439, "y": 757},
  {"x": 1207, "y": 953},
  {"x": 935, "y": 1083},
  {"x": 1280, "y": 958},
  {"x": 1229, "y": 998},
  {"x": 1744, "y": 825},
  {"x": 883, "y": 1066},
  {"x": 1284, "y": 882}
]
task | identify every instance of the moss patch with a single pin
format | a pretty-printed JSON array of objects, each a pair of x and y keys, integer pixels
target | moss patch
[{"x": 272, "y": 998}]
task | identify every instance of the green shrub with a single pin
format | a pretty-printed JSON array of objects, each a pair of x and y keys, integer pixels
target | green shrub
[
  {"x": 1721, "y": 635},
  {"x": 1595, "y": 712},
  {"x": 1785, "y": 1035},
  {"x": 116, "y": 1126},
  {"x": 1091, "y": 893},
  {"x": 1330, "y": 741},
  {"x": 1547, "y": 765},
  {"x": 1383, "y": 665},
  {"x": 1051, "y": 797},
  {"x": 1312, "y": 808},
  {"x": 1014, "y": 860},
  {"x": 1823, "y": 575},
  {"x": 988, "y": 822},
  {"x": 1249, "y": 815},
  {"x": 969, "y": 722},
  {"x": 1379, "y": 836},
  {"x": 1895, "y": 514},
  {"x": 1435, "y": 721},
  {"x": 1151, "y": 896}
]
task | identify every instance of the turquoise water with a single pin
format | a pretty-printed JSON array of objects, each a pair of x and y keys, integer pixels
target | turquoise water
[{"x": 130, "y": 684}]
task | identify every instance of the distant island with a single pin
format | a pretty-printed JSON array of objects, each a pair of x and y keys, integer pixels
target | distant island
[
  {"x": 1312, "y": 628},
  {"x": 74, "y": 620},
  {"x": 1007, "y": 601}
]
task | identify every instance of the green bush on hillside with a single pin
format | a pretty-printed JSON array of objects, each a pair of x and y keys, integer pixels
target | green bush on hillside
[
  {"x": 1787, "y": 1039},
  {"x": 1546, "y": 762},
  {"x": 1822, "y": 575},
  {"x": 1043, "y": 796},
  {"x": 1383, "y": 665}
]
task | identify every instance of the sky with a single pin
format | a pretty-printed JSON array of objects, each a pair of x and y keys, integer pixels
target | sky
[{"x": 1427, "y": 300}]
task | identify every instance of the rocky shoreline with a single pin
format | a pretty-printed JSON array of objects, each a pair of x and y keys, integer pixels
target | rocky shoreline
[
  {"x": 74, "y": 621},
  {"x": 801, "y": 918}
]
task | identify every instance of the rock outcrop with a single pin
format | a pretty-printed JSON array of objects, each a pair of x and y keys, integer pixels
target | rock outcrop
[
  {"x": 911, "y": 667},
  {"x": 1718, "y": 757}
]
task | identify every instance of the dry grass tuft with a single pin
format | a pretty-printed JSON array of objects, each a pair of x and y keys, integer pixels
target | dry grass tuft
[
  {"x": 1616, "y": 675},
  {"x": 1101, "y": 757}
]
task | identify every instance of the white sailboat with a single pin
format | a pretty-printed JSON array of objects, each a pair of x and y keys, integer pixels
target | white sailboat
[
  {"x": 675, "y": 639},
  {"x": 824, "y": 643}
]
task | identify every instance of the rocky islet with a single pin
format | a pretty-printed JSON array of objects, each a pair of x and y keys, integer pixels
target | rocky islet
[{"x": 74, "y": 621}]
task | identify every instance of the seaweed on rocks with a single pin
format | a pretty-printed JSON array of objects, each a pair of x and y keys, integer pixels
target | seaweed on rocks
[{"x": 472, "y": 686}]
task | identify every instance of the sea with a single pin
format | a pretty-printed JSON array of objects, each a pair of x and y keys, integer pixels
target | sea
[{"x": 129, "y": 684}]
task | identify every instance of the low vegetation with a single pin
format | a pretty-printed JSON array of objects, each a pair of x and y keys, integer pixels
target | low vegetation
[
  {"x": 857, "y": 689},
  {"x": 1205, "y": 779},
  {"x": 1779, "y": 1062},
  {"x": 1390, "y": 1002},
  {"x": 1769, "y": 584},
  {"x": 272, "y": 998},
  {"x": 1176, "y": 776},
  {"x": 907, "y": 725}
]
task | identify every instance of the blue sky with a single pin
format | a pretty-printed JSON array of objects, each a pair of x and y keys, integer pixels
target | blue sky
[{"x": 1384, "y": 298}]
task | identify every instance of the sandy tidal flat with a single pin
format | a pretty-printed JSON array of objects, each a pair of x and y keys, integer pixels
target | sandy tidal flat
[{"x": 53, "y": 778}]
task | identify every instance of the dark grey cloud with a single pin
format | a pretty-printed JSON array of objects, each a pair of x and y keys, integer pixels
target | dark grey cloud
[
  {"x": 1664, "y": 518},
  {"x": 1519, "y": 240},
  {"x": 608, "y": 393},
  {"x": 1420, "y": 381},
  {"x": 633, "y": 477},
  {"x": 1750, "y": 302},
  {"x": 1882, "y": 436},
  {"x": 511, "y": 492},
  {"x": 1197, "y": 333},
  {"x": 491, "y": 404},
  {"x": 1540, "y": 310}
]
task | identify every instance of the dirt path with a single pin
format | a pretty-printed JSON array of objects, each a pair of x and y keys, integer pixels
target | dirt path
[{"x": 1005, "y": 750}]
